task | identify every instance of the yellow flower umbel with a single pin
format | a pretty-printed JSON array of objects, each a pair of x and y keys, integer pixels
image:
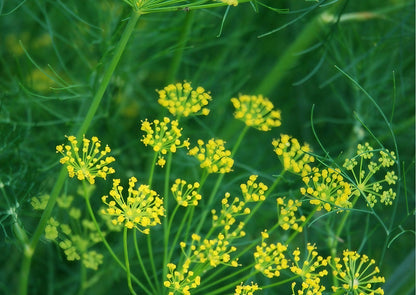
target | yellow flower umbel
[
  {"x": 186, "y": 194},
  {"x": 253, "y": 191},
  {"x": 256, "y": 111},
  {"x": 213, "y": 156},
  {"x": 366, "y": 167},
  {"x": 308, "y": 271},
  {"x": 270, "y": 258},
  {"x": 357, "y": 274},
  {"x": 246, "y": 289},
  {"x": 327, "y": 189},
  {"x": 163, "y": 136},
  {"x": 142, "y": 208},
  {"x": 181, "y": 281},
  {"x": 230, "y": 2},
  {"x": 182, "y": 100},
  {"x": 92, "y": 163},
  {"x": 294, "y": 157},
  {"x": 287, "y": 218}
]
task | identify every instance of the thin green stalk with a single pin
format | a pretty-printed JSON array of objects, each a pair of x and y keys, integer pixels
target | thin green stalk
[
  {"x": 152, "y": 260},
  {"x": 166, "y": 225},
  {"x": 31, "y": 247},
  {"x": 174, "y": 66},
  {"x": 83, "y": 278},
  {"x": 294, "y": 234},
  {"x": 139, "y": 257},
  {"x": 152, "y": 169},
  {"x": 176, "y": 238},
  {"x": 127, "y": 262}
]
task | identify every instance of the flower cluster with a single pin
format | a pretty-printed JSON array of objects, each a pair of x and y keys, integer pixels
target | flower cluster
[
  {"x": 327, "y": 189},
  {"x": 365, "y": 166},
  {"x": 270, "y": 258},
  {"x": 253, "y": 191},
  {"x": 182, "y": 100},
  {"x": 186, "y": 194},
  {"x": 92, "y": 163},
  {"x": 181, "y": 281},
  {"x": 246, "y": 289},
  {"x": 287, "y": 218},
  {"x": 213, "y": 252},
  {"x": 76, "y": 237},
  {"x": 213, "y": 156},
  {"x": 39, "y": 203},
  {"x": 256, "y": 111},
  {"x": 142, "y": 208},
  {"x": 163, "y": 136},
  {"x": 294, "y": 157},
  {"x": 308, "y": 270},
  {"x": 356, "y": 273},
  {"x": 230, "y": 2}
]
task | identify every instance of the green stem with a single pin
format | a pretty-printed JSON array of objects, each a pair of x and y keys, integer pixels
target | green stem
[
  {"x": 152, "y": 169},
  {"x": 294, "y": 234},
  {"x": 30, "y": 248},
  {"x": 174, "y": 67},
  {"x": 167, "y": 224},
  {"x": 126, "y": 260},
  {"x": 139, "y": 257}
]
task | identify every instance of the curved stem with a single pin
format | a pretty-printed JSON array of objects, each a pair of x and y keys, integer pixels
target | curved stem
[{"x": 126, "y": 260}]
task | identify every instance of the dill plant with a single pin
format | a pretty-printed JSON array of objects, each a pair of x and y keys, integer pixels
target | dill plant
[{"x": 221, "y": 199}]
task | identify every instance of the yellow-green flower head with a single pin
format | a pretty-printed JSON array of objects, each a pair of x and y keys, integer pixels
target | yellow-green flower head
[
  {"x": 92, "y": 163},
  {"x": 182, "y": 100},
  {"x": 327, "y": 189},
  {"x": 294, "y": 157},
  {"x": 213, "y": 156},
  {"x": 141, "y": 209},
  {"x": 211, "y": 252},
  {"x": 227, "y": 217},
  {"x": 39, "y": 203},
  {"x": 371, "y": 175},
  {"x": 163, "y": 136},
  {"x": 181, "y": 281},
  {"x": 186, "y": 194},
  {"x": 287, "y": 217},
  {"x": 246, "y": 289},
  {"x": 270, "y": 258},
  {"x": 253, "y": 191},
  {"x": 357, "y": 274},
  {"x": 256, "y": 111},
  {"x": 233, "y": 3}
]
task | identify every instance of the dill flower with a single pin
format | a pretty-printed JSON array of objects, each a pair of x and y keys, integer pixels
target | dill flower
[
  {"x": 253, "y": 191},
  {"x": 287, "y": 218},
  {"x": 186, "y": 194},
  {"x": 246, "y": 289},
  {"x": 213, "y": 156},
  {"x": 181, "y": 281},
  {"x": 39, "y": 203},
  {"x": 357, "y": 273},
  {"x": 308, "y": 270},
  {"x": 182, "y": 100},
  {"x": 327, "y": 189},
  {"x": 163, "y": 136},
  {"x": 270, "y": 258},
  {"x": 92, "y": 163},
  {"x": 142, "y": 208},
  {"x": 256, "y": 111},
  {"x": 366, "y": 166},
  {"x": 230, "y": 2},
  {"x": 294, "y": 157}
]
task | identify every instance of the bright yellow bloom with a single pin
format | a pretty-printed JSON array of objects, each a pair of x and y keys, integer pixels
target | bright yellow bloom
[
  {"x": 327, "y": 189},
  {"x": 182, "y": 100},
  {"x": 181, "y": 281},
  {"x": 246, "y": 289},
  {"x": 163, "y": 136},
  {"x": 230, "y": 2},
  {"x": 90, "y": 164},
  {"x": 186, "y": 194},
  {"x": 356, "y": 273},
  {"x": 213, "y": 156},
  {"x": 308, "y": 270},
  {"x": 142, "y": 208},
  {"x": 287, "y": 218},
  {"x": 253, "y": 191},
  {"x": 270, "y": 258},
  {"x": 256, "y": 111},
  {"x": 367, "y": 167},
  {"x": 294, "y": 157}
]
